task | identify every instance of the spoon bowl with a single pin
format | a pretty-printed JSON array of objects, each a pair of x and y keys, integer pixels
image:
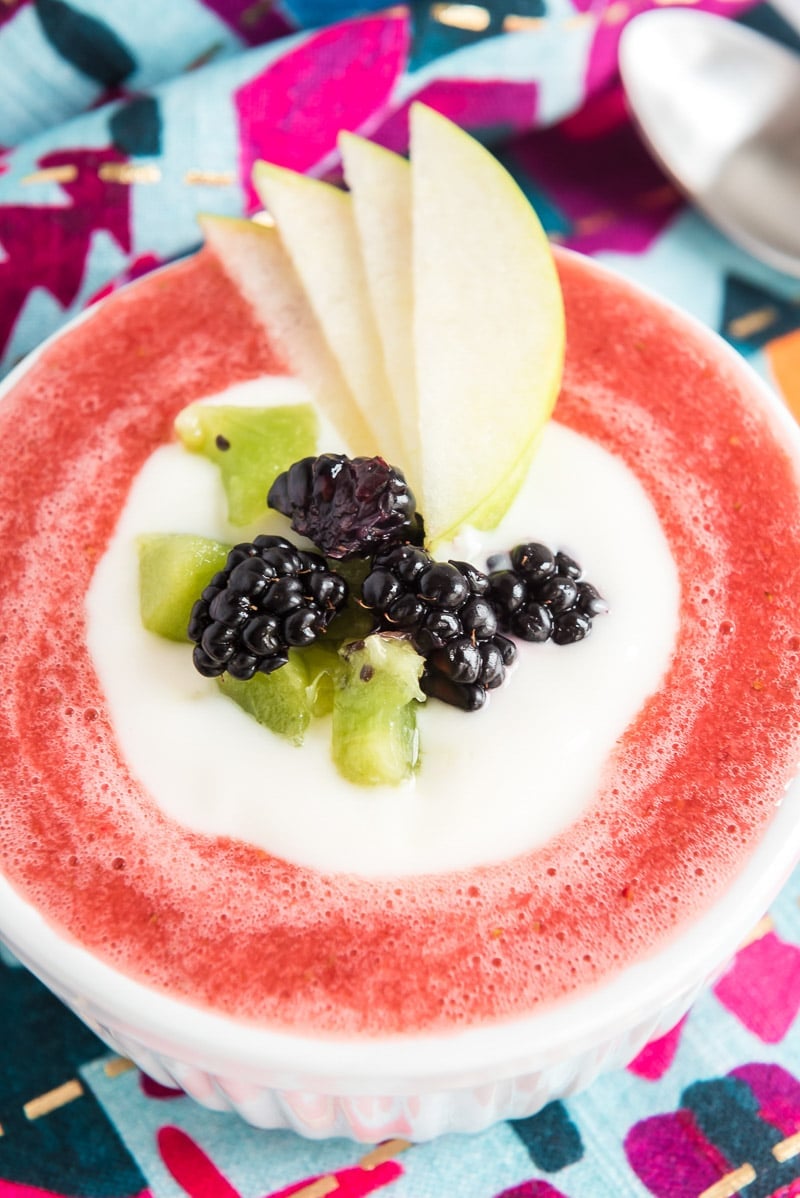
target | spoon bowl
[{"x": 719, "y": 107}]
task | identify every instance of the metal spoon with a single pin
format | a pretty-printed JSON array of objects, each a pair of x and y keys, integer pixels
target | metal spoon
[{"x": 719, "y": 107}]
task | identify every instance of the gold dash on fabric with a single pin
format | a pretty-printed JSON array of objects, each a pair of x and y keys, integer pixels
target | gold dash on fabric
[
  {"x": 513, "y": 23},
  {"x": 200, "y": 178},
  {"x": 53, "y": 1099},
  {"x": 318, "y": 1188},
  {"x": 128, "y": 173},
  {"x": 753, "y": 322},
  {"x": 386, "y": 1151},
  {"x": 731, "y": 1183},
  {"x": 784, "y": 1150},
  {"x": 53, "y": 174},
  {"x": 117, "y": 1066},
  {"x": 474, "y": 17},
  {"x": 254, "y": 12}
]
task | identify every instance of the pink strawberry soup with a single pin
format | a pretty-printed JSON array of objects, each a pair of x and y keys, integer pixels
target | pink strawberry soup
[{"x": 685, "y": 795}]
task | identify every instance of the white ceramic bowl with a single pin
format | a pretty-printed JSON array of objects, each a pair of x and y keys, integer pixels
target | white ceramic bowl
[
  {"x": 417, "y": 1087},
  {"x": 420, "y": 1086}
]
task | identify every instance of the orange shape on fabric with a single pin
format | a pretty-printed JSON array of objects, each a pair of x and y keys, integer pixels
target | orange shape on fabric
[{"x": 783, "y": 355}]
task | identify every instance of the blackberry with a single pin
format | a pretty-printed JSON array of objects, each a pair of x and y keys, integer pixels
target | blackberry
[
  {"x": 269, "y": 598},
  {"x": 539, "y": 595},
  {"x": 469, "y": 696},
  {"x": 347, "y": 506},
  {"x": 534, "y": 560},
  {"x": 450, "y": 619}
]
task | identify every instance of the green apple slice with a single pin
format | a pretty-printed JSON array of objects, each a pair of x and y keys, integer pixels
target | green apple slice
[
  {"x": 488, "y": 327},
  {"x": 253, "y": 258},
  {"x": 316, "y": 224},
  {"x": 380, "y": 184},
  {"x": 251, "y": 446}
]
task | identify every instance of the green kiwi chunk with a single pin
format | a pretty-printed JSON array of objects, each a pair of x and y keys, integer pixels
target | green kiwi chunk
[
  {"x": 326, "y": 673},
  {"x": 375, "y": 738},
  {"x": 173, "y": 570},
  {"x": 251, "y": 446},
  {"x": 280, "y": 701},
  {"x": 354, "y": 622}
]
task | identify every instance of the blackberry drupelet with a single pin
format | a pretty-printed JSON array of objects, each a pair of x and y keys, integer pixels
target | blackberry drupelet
[
  {"x": 270, "y": 597},
  {"x": 449, "y": 617},
  {"x": 347, "y": 506},
  {"x": 540, "y": 595}
]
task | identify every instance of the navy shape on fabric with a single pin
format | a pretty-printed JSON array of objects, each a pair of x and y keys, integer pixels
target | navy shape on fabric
[
  {"x": 727, "y": 1113},
  {"x": 73, "y": 1149},
  {"x": 89, "y": 45},
  {"x": 551, "y": 1138},
  {"x": 438, "y": 29},
  {"x": 753, "y": 316},
  {"x": 135, "y": 127}
]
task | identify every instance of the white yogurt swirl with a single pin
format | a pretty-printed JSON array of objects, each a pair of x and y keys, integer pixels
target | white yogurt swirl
[{"x": 490, "y": 785}]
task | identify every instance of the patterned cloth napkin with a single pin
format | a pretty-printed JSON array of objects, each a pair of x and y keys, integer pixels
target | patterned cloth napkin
[{"x": 121, "y": 121}]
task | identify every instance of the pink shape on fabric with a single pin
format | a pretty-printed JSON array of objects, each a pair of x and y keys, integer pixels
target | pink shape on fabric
[
  {"x": 656, "y": 1057},
  {"x": 341, "y": 78},
  {"x": 595, "y": 171},
  {"x": 189, "y": 1165},
  {"x": 601, "y": 67},
  {"x": 762, "y": 987},
  {"x": 506, "y": 107},
  {"x": 599, "y": 115},
  {"x": 153, "y": 1089},
  {"x": 253, "y": 23},
  {"x": 790, "y": 1191},
  {"x": 777, "y": 1093},
  {"x": 532, "y": 1189},
  {"x": 672, "y": 1157},
  {"x": 7, "y": 14},
  {"x": 47, "y": 246},
  {"x": 196, "y": 1173}
]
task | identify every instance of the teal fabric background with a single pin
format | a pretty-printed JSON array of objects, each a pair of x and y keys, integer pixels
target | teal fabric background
[{"x": 120, "y": 122}]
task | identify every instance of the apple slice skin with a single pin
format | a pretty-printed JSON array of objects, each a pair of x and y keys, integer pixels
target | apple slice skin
[
  {"x": 488, "y": 327},
  {"x": 252, "y": 256},
  {"x": 317, "y": 227},
  {"x": 380, "y": 184}
]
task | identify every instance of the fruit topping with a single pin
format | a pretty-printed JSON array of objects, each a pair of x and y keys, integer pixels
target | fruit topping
[
  {"x": 251, "y": 446},
  {"x": 251, "y": 254},
  {"x": 173, "y": 570},
  {"x": 269, "y": 597},
  {"x": 379, "y": 182},
  {"x": 487, "y": 328},
  {"x": 375, "y": 737},
  {"x": 281, "y": 701},
  {"x": 317, "y": 228},
  {"x": 450, "y": 619},
  {"x": 540, "y": 595},
  {"x": 346, "y": 506}
]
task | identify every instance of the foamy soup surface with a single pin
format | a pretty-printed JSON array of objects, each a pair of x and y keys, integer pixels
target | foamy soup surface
[{"x": 605, "y": 796}]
